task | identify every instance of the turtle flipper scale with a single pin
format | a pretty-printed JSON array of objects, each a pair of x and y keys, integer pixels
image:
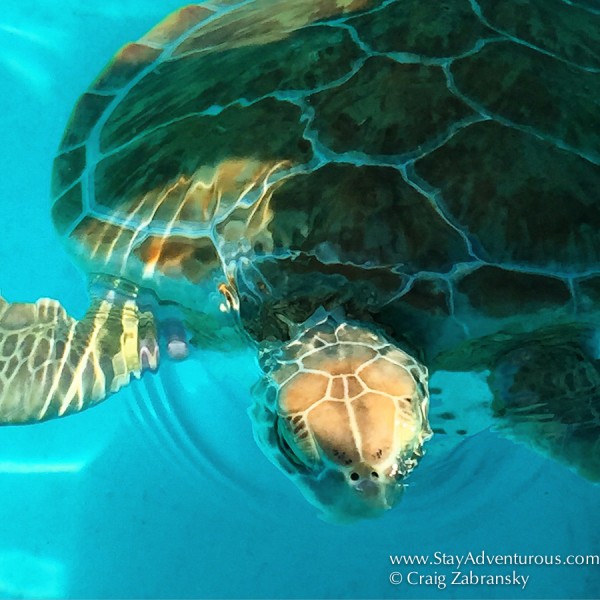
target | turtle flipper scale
[{"x": 53, "y": 365}]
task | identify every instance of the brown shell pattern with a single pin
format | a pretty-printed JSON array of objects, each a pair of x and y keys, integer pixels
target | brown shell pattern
[{"x": 411, "y": 161}]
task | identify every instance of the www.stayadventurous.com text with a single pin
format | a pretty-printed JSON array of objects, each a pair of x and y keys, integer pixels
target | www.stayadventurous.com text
[{"x": 469, "y": 569}]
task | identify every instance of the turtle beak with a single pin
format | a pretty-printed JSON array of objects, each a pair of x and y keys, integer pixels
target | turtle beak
[
  {"x": 344, "y": 500},
  {"x": 374, "y": 487},
  {"x": 367, "y": 488}
]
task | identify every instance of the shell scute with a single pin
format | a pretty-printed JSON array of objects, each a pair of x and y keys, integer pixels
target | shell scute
[
  {"x": 552, "y": 25},
  {"x": 495, "y": 78},
  {"x": 524, "y": 216},
  {"x": 304, "y": 60},
  {"x": 127, "y": 63},
  {"x": 345, "y": 213},
  {"x": 176, "y": 24},
  {"x": 68, "y": 167},
  {"x": 387, "y": 108},
  {"x": 84, "y": 117},
  {"x": 67, "y": 209},
  {"x": 422, "y": 27},
  {"x": 258, "y": 24},
  {"x": 165, "y": 154},
  {"x": 504, "y": 293}
]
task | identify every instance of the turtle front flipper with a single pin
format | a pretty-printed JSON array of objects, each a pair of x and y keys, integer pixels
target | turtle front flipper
[
  {"x": 547, "y": 394},
  {"x": 52, "y": 365}
]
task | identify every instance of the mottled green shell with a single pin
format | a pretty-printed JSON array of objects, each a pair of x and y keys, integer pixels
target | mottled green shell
[{"x": 432, "y": 166}]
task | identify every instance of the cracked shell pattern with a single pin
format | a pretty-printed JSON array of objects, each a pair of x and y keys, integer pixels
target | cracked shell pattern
[{"x": 407, "y": 161}]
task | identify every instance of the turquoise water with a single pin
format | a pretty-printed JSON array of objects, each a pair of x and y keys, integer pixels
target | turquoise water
[{"x": 161, "y": 491}]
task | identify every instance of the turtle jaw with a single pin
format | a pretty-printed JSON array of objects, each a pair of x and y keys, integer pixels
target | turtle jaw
[
  {"x": 343, "y": 493},
  {"x": 344, "y": 502},
  {"x": 377, "y": 490},
  {"x": 367, "y": 490}
]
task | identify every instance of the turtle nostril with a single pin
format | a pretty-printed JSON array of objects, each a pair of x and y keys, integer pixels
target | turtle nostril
[
  {"x": 354, "y": 476},
  {"x": 374, "y": 474}
]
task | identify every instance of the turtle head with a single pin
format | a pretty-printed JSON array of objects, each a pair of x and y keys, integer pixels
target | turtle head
[{"x": 344, "y": 414}]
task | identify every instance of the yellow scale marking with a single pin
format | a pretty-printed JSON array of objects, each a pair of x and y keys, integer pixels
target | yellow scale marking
[{"x": 77, "y": 380}]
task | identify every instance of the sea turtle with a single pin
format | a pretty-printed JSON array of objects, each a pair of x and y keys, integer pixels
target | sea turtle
[{"x": 370, "y": 190}]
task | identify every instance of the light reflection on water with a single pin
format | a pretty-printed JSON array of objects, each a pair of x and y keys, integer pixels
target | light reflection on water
[
  {"x": 29, "y": 468},
  {"x": 24, "y": 575},
  {"x": 195, "y": 414}
]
